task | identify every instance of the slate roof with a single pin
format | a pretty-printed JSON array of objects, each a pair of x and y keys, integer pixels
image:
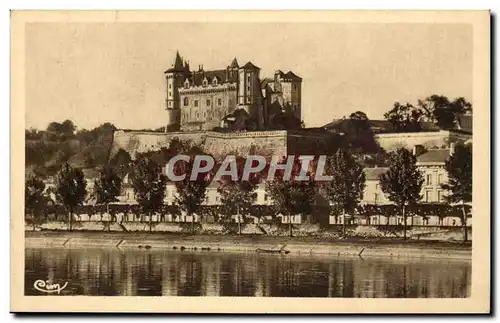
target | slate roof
[
  {"x": 265, "y": 82},
  {"x": 291, "y": 75},
  {"x": 373, "y": 174},
  {"x": 196, "y": 78},
  {"x": 249, "y": 65},
  {"x": 234, "y": 63},
  {"x": 288, "y": 75},
  {"x": 438, "y": 156},
  {"x": 178, "y": 65}
]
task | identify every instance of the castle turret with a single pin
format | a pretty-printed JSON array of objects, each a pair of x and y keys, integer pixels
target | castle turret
[
  {"x": 249, "y": 92},
  {"x": 174, "y": 79},
  {"x": 290, "y": 85}
]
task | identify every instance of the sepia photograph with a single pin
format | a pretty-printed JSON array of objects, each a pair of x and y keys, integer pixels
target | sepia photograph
[{"x": 250, "y": 162}]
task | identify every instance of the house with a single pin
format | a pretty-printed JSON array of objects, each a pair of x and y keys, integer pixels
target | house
[
  {"x": 432, "y": 165},
  {"x": 373, "y": 193}
]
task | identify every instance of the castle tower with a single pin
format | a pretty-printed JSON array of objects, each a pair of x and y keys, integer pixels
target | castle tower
[
  {"x": 290, "y": 85},
  {"x": 174, "y": 79},
  {"x": 249, "y": 92}
]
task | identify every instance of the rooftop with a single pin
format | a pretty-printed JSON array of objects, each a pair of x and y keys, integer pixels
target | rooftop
[
  {"x": 249, "y": 65},
  {"x": 439, "y": 156},
  {"x": 373, "y": 174}
]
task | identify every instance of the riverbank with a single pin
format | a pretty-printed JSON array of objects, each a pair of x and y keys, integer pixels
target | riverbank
[{"x": 389, "y": 247}]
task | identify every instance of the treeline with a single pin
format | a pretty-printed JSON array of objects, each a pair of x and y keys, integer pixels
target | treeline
[
  {"x": 266, "y": 211},
  {"x": 47, "y": 150},
  {"x": 290, "y": 193},
  {"x": 436, "y": 109}
]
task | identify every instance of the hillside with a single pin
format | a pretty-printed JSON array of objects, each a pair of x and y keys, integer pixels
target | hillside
[{"x": 46, "y": 150}]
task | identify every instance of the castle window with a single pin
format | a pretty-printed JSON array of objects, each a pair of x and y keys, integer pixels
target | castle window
[
  {"x": 195, "y": 103},
  {"x": 428, "y": 196},
  {"x": 186, "y": 84},
  {"x": 440, "y": 196},
  {"x": 170, "y": 103},
  {"x": 169, "y": 86},
  {"x": 219, "y": 101},
  {"x": 208, "y": 103},
  {"x": 186, "y": 102},
  {"x": 214, "y": 82},
  {"x": 428, "y": 179},
  {"x": 205, "y": 82}
]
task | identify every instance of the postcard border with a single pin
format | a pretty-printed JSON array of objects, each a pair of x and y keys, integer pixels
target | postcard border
[{"x": 479, "y": 302}]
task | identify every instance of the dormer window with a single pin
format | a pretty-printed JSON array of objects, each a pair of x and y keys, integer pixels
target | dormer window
[
  {"x": 205, "y": 82},
  {"x": 186, "y": 84},
  {"x": 214, "y": 81}
]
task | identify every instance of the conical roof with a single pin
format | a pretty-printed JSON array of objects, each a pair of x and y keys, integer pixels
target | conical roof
[
  {"x": 234, "y": 63},
  {"x": 178, "y": 61},
  {"x": 178, "y": 64}
]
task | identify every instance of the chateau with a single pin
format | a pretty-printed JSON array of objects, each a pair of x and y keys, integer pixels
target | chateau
[{"x": 206, "y": 99}]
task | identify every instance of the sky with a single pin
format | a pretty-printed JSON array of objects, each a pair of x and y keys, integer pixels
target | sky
[{"x": 93, "y": 73}]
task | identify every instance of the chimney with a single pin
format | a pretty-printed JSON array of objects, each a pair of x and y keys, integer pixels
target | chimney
[
  {"x": 276, "y": 75},
  {"x": 452, "y": 149},
  {"x": 418, "y": 150}
]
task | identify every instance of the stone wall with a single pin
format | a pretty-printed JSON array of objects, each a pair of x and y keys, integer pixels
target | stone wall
[
  {"x": 203, "y": 116},
  {"x": 219, "y": 144},
  {"x": 436, "y": 233},
  {"x": 433, "y": 139},
  {"x": 143, "y": 141},
  {"x": 265, "y": 143}
]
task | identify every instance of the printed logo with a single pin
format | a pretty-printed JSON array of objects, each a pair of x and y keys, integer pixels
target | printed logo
[{"x": 47, "y": 287}]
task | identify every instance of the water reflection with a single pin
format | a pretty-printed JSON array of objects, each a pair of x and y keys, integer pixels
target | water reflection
[{"x": 155, "y": 273}]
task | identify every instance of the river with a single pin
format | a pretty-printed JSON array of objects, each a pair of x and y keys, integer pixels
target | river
[{"x": 107, "y": 272}]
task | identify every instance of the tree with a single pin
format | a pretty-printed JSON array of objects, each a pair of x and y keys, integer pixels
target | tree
[
  {"x": 70, "y": 189},
  {"x": 238, "y": 196},
  {"x": 459, "y": 168},
  {"x": 34, "y": 197},
  {"x": 405, "y": 117},
  {"x": 121, "y": 162},
  {"x": 358, "y": 115},
  {"x": 149, "y": 185},
  {"x": 68, "y": 128},
  {"x": 190, "y": 193},
  {"x": 291, "y": 197},
  {"x": 345, "y": 190},
  {"x": 443, "y": 112},
  {"x": 402, "y": 182},
  {"x": 59, "y": 143},
  {"x": 358, "y": 133},
  {"x": 107, "y": 187}
]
